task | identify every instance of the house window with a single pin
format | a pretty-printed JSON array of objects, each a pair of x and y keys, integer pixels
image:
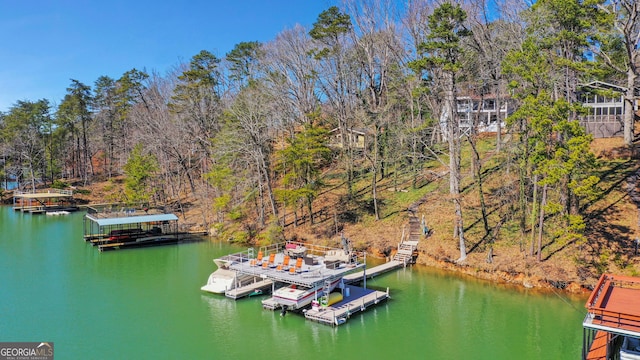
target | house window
[{"x": 489, "y": 104}]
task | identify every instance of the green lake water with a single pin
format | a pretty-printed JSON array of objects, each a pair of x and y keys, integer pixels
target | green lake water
[{"x": 147, "y": 304}]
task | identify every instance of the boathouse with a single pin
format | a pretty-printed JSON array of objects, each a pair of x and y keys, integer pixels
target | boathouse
[
  {"x": 129, "y": 228},
  {"x": 44, "y": 201},
  {"x": 611, "y": 328}
]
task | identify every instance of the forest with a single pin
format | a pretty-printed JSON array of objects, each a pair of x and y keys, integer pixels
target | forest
[{"x": 335, "y": 122}]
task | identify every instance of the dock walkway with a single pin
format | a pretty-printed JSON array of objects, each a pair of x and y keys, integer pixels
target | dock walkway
[
  {"x": 249, "y": 289},
  {"x": 404, "y": 255},
  {"x": 359, "y": 299},
  {"x": 374, "y": 271}
]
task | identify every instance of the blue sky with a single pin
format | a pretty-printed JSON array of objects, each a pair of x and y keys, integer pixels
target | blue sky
[{"x": 45, "y": 43}]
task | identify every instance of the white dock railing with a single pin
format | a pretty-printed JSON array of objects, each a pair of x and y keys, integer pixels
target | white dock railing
[{"x": 54, "y": 191}]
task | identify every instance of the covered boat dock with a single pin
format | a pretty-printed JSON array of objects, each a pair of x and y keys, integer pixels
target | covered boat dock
[
  {"x": 612, "y": 324},
  {"x": 44, "y": 201},
  {"x": 131, "y": 229}
]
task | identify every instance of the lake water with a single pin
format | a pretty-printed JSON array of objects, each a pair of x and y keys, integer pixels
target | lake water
[{"x": 146, "y": 303}]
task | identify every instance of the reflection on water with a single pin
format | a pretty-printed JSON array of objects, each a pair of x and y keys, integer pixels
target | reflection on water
[
  {"x": 57, "y": 287},
  {"x": 222, "y": 310}
]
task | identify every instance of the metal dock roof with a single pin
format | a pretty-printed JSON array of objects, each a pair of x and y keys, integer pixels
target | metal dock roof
[{"x": 132, "y": 219}]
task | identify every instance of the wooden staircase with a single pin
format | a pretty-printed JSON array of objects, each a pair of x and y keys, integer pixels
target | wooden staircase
[{"x": 407, "y": 249}]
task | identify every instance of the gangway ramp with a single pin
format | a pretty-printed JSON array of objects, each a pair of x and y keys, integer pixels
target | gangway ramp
[{"x": 374, "y": 271}]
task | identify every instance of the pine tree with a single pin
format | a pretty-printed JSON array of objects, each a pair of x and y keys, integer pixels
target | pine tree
[{"x": 441, "y": 55}]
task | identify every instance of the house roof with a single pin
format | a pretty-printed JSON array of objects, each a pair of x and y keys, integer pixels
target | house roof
[
  {"x": 483, "y": 97},
  {"x": 353, "y": 130},
  {"x": 601, "y": 85},
  {"x": 133, "y": 219}
]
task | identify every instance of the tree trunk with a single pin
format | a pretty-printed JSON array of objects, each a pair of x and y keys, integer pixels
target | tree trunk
[
  {"x": 541, "y": 222},
  {"x": 260, "y": 201},
  {"x": 460, "y": 226},
  {"x": 478, "y": 175},
  {"x": 374, "y": 181},
  {"x": 499, "y": 121},
  {"x": 267, "y": 180},
  {"x": 629, "y": 114},
  {"x": 533, "y": 213},
  {"x": 453, "y": 126}
]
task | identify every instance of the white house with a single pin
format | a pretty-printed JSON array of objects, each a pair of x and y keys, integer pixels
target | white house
[
  {"x": 605, "y": 109},
  {"x": 484, "y": 108}
]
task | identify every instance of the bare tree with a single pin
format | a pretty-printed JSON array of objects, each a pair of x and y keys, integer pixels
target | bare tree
[
  {"x": 251, "y": 125},
  {"x": 291, "y": 71},
  {"x": 378, "y": 47},
  {"x": 625, "y": 15},
  {"x": 337, "y": 78}
]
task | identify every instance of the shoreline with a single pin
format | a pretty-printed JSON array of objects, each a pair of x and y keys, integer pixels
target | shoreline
[
  {"x": 497, "y": 275},
  {"x": 503, "y": 277}
]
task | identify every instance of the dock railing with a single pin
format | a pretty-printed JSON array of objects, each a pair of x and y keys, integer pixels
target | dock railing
[
  {"x": 45, "y": 191},
  {"x": 597, "y": 312},
  {"x": 312, "y": 249}
]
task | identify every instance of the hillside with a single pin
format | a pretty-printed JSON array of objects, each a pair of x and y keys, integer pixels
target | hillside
[{"x": 612, "y": 221}]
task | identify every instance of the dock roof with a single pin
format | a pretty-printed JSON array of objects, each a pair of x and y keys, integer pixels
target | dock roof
[
  {"x": 132, "y": 219},
  {"x": 42, "y": 195},
  {"x": 613, "y": 305}
]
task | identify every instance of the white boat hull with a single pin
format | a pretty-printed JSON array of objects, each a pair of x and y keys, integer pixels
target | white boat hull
[
  {"x": 56, "y": 213},
  {"x": 295, "y": 298},
  {"x": 223, "y": 280}
]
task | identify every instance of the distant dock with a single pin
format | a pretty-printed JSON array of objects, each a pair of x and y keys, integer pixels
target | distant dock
[
  {"x": 44, "y": 201},
  {"x": 133, "y": 229}
]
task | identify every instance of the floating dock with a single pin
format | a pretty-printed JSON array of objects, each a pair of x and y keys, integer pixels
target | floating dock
[
  {"x": 359, "y": 299},
  {"x": 312, "y": 271},
  {"x": 255, "y": 288},
  {"x": 373, "y": 272},
  {"x": 304, "y": 277}
]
